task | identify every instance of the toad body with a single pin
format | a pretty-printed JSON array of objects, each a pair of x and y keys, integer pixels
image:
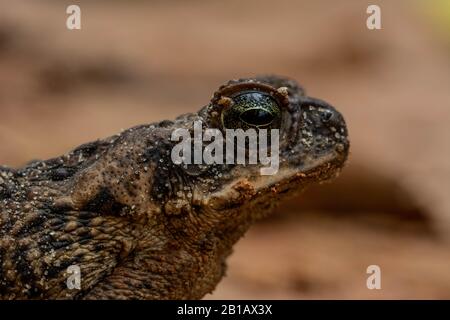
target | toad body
[{"x": 139, "y": 225}]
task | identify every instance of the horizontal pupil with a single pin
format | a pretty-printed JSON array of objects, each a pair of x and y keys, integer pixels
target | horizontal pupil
[{"x": 257, "y": 117}]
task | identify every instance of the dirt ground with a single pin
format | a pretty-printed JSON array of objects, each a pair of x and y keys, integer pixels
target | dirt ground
[{"x": 136, "y": 62}]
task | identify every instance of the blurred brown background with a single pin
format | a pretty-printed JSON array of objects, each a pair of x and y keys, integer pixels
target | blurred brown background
[{"x": 136, "y": 62}]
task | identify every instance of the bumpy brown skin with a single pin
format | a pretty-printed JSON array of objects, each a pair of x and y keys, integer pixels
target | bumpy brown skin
[{"x": 141, "y": 227}]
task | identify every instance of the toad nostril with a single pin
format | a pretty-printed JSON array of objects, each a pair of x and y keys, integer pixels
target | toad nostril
[
  {"x": 326, "y": 115},
  {"x": 331, "y": 118}
]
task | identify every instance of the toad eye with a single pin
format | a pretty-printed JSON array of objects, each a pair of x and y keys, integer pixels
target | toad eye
[{"x": 252, "y": 110}]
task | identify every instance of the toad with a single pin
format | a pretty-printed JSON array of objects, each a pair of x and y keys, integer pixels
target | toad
[{"x": 140, "y": 226}]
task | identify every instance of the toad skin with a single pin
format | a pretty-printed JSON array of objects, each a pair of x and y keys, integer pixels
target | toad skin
[{"x": 140, "y": 226}]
